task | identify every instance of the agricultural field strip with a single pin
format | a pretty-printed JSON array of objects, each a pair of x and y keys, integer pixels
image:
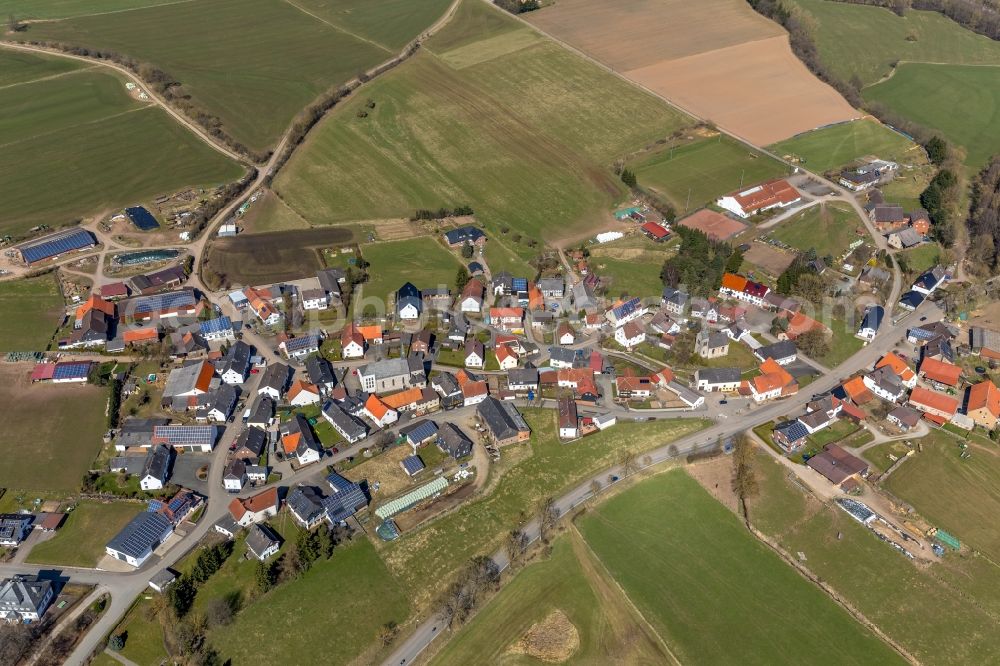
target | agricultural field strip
[
  {"x": 49, "y": 77},
  {"x": 337, "y": 27}
]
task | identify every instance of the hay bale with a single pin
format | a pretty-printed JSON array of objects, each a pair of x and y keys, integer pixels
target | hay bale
[{"x": 553, "y": 640}]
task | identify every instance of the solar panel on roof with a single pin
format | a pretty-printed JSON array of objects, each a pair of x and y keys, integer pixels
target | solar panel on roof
[
  {"x": 413, "y": 464},
  {"x": 422, "y": 432},
  {"x": 216, "y": 325},
  {"x": 142, "y": 218},
  {"x": 55, "y": 244},
  {"x": 70, "y": 370},
  {"x": 626, "y": 308},
  {"x": 160, "y": 302}
]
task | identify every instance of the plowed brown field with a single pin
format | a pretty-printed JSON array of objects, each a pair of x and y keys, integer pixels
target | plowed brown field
[{"x": 718, "y": 59}]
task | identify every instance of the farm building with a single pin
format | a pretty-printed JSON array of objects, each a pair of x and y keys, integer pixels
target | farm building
[
  {"x": 760, "y": 198},
  {"x": 141, "y": 218},
  {"x": 53, "y": 245}
]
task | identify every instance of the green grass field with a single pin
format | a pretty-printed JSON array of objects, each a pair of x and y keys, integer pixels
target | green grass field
[
  {"x": 959, "y": 496},
  {"x": 423, "y": 261},
  {"x": 572, "y": 582},
  {"x": 866, "y": 41},
  {"x": 144, "y": 644},
  {"x": 34, "y": 309},
  {"x": 25, "y": 10},
  {"x": 390, "y": 23},
  {"x": 945, "y": 614},
  {"x": 267, "y": 58},
  {"x": 426, "y": 558},
  {"x": 834, "y": 147},
  {"x": 843, "y": 344},
  {"x": 524, "y": 138},
  {"x": 347, "y": 598},
  {"x": 19, "y": 67},
  {"x": 698, "y": 173},
  {"x": 919, "y": 259},
  {"x": 697, "y": 575},
  {"x": 56, "y": 435},
  {"x": 927, "y": 94},
  {"x": 632, "y": 263},
  {"x": 52, "y": 127},
  {"x": 88, "y": 528},
  {"x": 828, "y": 229}
]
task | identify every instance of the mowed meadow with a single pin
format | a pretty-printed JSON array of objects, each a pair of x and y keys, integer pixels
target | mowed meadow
[
  {"x": 74, "y": 143},
  {"x": 254, "y": 64},
  {"x": 491, "y": 115},
  {"x": 921, "y": 65},
  {"x": 960, "y": 101}
]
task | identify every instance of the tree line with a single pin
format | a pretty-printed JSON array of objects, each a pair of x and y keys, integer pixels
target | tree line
[
  {"x": 700, "y": 264},
  {"x": 984, "y": 216},
  {"x": 979, "y": 16}
]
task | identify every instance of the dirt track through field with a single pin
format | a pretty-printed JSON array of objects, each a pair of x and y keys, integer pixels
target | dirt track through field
[{"x": 716, "y": 58}]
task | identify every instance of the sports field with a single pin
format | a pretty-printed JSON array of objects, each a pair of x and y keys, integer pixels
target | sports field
[
  {"x": 959, "y": 496},
  {"x": 347, "y": 598},
  {"x": 524, "y": 138},
  {"x": 88, "y": 528},
  {"x": 252, "y": 63},
  {"x": 571, "y": 582},
  {"x": 697, "y": 173},
  {"x": 57, "y": 432},
  {"x": 76, "y": 144},
  {"x": 697, "y": 575},
  {"x": 426, "y": 558},
  {"x": 960, "y": 101},
  {"x": 833, "y": 147},
  {"x": 717, "y": 58},
  {"x": 423, "y": 261},
  {"x": 828, "y": 229},
  {"x": 34, "y": 310},
  {"x": 867, "y": 41},
  {"x": 942, "y": 614}
]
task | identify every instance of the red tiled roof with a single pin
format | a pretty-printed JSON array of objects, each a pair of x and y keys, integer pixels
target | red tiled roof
[
  {"x": 921, "y": 397},
  {"x": 897, "y": 365},
  {"x": 95, "y": 302},
  {"x": 299, "y": 386},
  {"x": 376, "y": 407},
  {"x": 857, "y": 391},
  {"x": 940, "y": 371},
  {"x": 734, "y": 282},
  {"x": 766, "y": 194},
  {"x": 403, "y": 398},
  {"x": 140, "y": 335},
  {"x": 655, "y": 230},
  {"x": 985, "y": 394}
]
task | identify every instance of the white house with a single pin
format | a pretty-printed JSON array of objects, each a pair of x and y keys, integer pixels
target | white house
[
  {"x": 315, "y": 299},
  {"x": 506, "y": 358},
  {"x": 381, "y": 414},
  {"x": 235, "y": 476},
  {"x": 718, "y": 379},
  {"x": 630, "y": 335},
  {"x": 871, "y": 323},
  {"x": 474, "y": 354},
  {"x": 303, "y": 393},
  {"x": 25, "y": 599},
  {"x": 255, "y": 509},
  {"x": 568, "y": 419},
  {"x": 156, "y": 468},
  {"x": 352, "y": 342},
  {"x": 885, "y": 383}
]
